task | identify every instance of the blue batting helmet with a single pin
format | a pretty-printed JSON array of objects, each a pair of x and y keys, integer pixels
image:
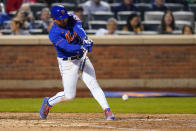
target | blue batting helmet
[{"x": 59, "y": 12}]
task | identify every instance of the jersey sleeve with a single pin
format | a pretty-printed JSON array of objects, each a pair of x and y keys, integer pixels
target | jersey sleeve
[
  {"x": 79, "y": 30},
  {"x": 77, "y": 26},
  {"x": 62, "y": 44}
]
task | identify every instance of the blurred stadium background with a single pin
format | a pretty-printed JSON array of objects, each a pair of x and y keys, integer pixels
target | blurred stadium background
[
  {"x": 144, "y": 60},
  {"x": 36, "y": 20}
]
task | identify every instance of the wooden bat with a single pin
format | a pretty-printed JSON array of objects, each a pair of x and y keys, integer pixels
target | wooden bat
[{"x": 82, "y": 63}]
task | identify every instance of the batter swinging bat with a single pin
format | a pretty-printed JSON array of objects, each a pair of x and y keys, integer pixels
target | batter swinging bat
[{"x": 82, "y": 63}]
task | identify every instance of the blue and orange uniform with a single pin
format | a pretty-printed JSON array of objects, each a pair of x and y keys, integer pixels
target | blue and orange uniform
[{"x": 68, "y": 40}]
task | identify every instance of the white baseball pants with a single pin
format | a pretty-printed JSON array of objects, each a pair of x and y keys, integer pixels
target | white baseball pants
[{"x": 69, "y": 73}]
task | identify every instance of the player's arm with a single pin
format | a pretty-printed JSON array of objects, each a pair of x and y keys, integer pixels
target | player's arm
[
  {"x": 68, "y": 47},
  {"x": 79, "y": 30},
  {"x": 75, "y": 24},
  {"x": 62, "y": 44}
]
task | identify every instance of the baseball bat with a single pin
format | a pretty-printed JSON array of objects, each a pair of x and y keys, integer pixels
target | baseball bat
[{"x": 82, "y": 63}]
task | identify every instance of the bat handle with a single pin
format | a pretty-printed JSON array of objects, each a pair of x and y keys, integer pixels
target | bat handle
[{"x": 82, "y": 63}]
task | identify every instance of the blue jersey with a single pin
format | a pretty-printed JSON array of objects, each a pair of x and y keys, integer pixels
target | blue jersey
[{"x": 68, "y": 40}]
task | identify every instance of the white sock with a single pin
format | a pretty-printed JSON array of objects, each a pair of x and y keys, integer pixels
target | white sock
[{"x": 59, "y": 97}]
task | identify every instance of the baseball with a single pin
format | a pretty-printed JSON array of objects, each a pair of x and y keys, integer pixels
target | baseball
[{"x": 125, "y": 97}]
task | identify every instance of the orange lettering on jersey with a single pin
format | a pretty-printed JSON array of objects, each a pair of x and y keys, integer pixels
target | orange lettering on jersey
[
  {"x": 75, "y": 34},
  {"x": 70, "y": 38}
]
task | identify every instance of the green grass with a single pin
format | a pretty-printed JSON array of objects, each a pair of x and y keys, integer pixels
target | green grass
[{"x": 133, "y": 105}]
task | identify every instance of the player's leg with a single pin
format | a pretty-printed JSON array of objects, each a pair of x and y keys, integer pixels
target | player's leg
[
  {"x": 69, "y": 85},
  {"x": 69, "y": 75},
  {"x": 89, "y": 79}
]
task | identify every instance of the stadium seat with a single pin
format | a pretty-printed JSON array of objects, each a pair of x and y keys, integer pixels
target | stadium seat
[
  {"x": 102, "y": 15},
  {"x": 38, "y": 24},
  {"x": 68, "y": 6},
  {"x": 38, "y": 14},
  {"x": 143, "y": 7},
  {"x": 37, "y": 7},
  {"x": 195, "y": 26},
  {"x": 123, "y": 15},
  {"x": 118, "y": 1},
  {"x": 6, "y": 31},
  {"x": 114, "y": 5},
  {"x": 119, "y": 32},
  {"x": 6, "y": 24},
  {"x": 85, "y": 16},
  {"x": 146, "y": 1},
  {"x": 97, "y": 24},
  {"x": 81, "y": 1},
  {"x": 2, "y": 7},
  {"x": 12, "y": 14},
  {"x": 192, "y": 8},
  {"x": 35, "y": 31},
  {"x": 153, "y": 15},
  {"x": 70, "y": 1},
  {"x": 177, "y": 32},
  {"x": 148, "y": 33},
  {"x": 108, "y": 1},
  {"x": 180, "y": 24},
  {"x": 121, "y": 24},
  {"x": 174, "y": 6},
  {"x": 184, "y": 16},
  {"x": 151, "y": 25},
  {"x": 90, "y": 32}
]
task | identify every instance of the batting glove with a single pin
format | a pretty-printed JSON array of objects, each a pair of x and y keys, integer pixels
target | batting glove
[{"x": 88, "y": 43}]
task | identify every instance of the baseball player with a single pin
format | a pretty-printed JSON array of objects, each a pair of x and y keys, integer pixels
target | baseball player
[{"x": 70, "y": 41}]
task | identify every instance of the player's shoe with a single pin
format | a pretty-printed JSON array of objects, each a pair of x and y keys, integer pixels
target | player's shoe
[
  {"x": 108, "y": 114},
  {"x": 45, "y": 108}
]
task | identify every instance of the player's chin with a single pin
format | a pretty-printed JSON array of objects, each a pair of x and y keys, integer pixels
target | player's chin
[{"x": 63, "y": 25}]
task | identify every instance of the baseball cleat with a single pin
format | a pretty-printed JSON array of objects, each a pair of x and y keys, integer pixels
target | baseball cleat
[
  {"x": 108, "y": 114},
  {"x": 45, "y": 108}
]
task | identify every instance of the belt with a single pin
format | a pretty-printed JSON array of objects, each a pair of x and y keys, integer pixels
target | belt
[{"x": 73, "y": 57}]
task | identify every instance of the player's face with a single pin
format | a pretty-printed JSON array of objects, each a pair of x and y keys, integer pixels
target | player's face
[{"x": 62, "y": 22}]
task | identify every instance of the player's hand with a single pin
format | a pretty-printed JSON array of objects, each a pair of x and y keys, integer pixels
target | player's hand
[
  {"x": 88, "y": 46},
  {"x": 88, "y": 40},
  {"x": 88, "y": 43}
]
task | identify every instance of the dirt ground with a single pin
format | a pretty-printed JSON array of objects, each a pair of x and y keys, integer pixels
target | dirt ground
[
  {"x": 92, "y": 121},
  {"x": 96, "y": 122}
]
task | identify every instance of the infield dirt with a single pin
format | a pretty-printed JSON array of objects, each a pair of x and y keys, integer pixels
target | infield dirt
[{"x": 96, "y": 122}]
